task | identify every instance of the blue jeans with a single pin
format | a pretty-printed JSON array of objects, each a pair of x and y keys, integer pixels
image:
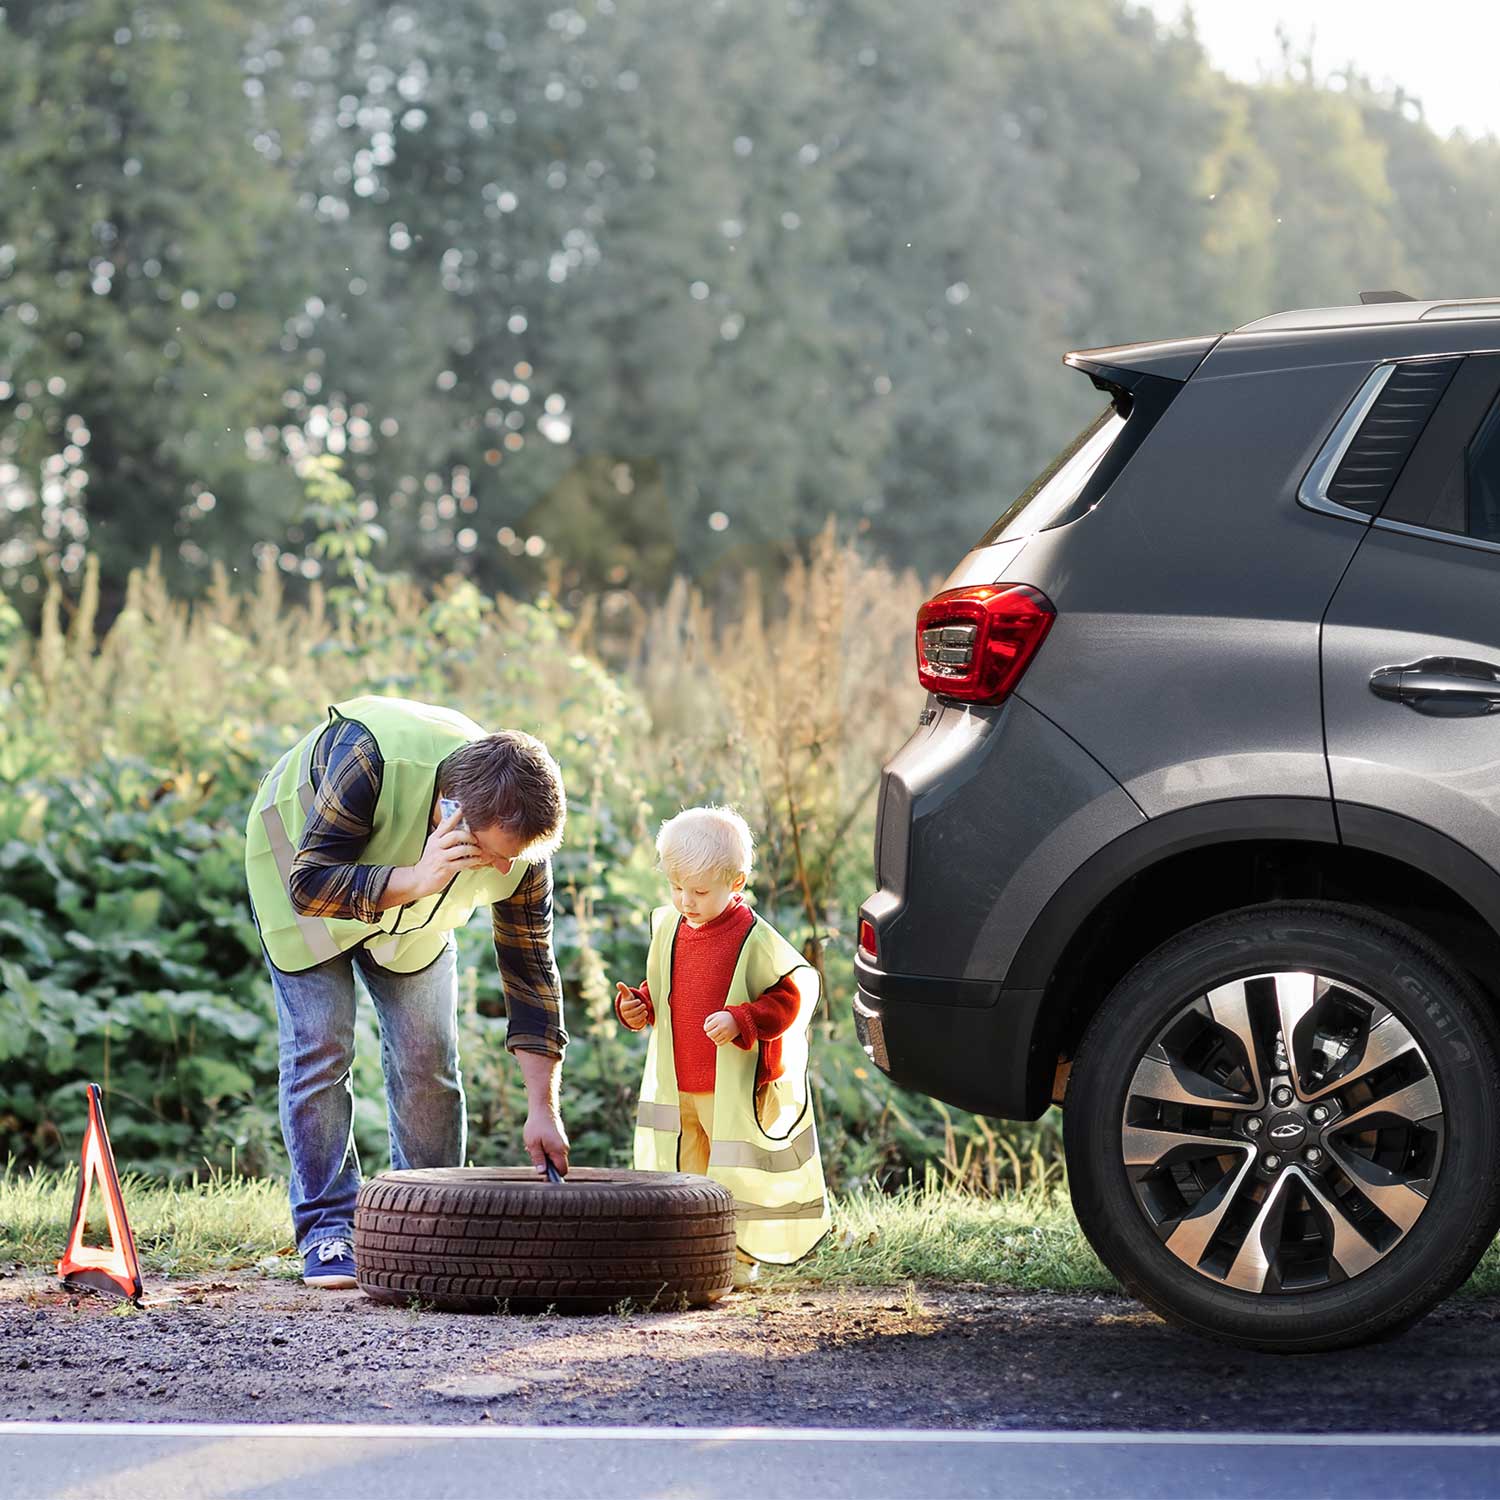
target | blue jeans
[{"x": 418, "y": 1015}]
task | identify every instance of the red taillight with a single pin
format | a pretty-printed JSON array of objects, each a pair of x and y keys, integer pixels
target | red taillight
[
  {"x": 867, "y": 937},
  {"x": 974, "y": 643}
]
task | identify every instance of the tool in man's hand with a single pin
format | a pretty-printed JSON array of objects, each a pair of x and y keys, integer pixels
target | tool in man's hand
[{"x": 553, "y": 1175}]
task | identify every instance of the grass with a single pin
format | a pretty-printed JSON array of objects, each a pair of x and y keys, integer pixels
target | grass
[
  {"x": 218, "y": 1224},
  {"x": 1021, "y": 1241},
  {"x": 1025, "y": 1241}
]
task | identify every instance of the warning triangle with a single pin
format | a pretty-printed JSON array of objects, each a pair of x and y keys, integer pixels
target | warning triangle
[{"x": 115, "y": 1270}]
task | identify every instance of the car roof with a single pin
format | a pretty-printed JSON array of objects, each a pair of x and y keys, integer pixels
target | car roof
[{"x": 1367, "y": 315}]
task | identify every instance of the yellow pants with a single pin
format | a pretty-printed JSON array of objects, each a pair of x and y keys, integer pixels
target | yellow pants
[
  {"x": 697, "y": 1115},
  {"x": 697, "y": 1112}
]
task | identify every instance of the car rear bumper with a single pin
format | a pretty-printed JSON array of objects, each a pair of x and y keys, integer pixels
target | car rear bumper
[{"x": 966, "y": 1042}]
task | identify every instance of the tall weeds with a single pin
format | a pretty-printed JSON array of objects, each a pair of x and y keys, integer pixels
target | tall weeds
[{"x": 128, "y": 758}]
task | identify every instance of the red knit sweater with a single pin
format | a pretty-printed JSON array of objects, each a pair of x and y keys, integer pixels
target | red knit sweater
[{"x": 703, "y": 960}]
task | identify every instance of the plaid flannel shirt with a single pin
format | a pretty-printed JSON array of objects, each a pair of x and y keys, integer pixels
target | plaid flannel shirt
[{"x": 328, "y": 881}]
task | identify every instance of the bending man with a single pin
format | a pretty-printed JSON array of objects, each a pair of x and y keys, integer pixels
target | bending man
[{"x": 351, "y": 866}]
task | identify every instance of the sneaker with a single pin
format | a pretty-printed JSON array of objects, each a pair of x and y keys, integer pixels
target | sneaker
[{"x": 330, "y": 1266}]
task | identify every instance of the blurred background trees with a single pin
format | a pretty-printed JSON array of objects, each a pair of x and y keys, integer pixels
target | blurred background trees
[{"x": 634, "y": 290}]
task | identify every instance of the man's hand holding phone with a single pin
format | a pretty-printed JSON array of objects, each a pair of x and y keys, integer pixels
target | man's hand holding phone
[{"x": 450, "y": 849}]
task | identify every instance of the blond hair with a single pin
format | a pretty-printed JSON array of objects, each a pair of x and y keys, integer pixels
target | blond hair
[{"x": 713, "y": 842}]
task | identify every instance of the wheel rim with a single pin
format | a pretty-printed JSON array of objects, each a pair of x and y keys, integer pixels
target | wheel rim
[{"x": 1283, "y": 1133}]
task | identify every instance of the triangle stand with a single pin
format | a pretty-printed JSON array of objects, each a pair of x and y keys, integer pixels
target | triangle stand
[{"x": 114, "y": 1271}]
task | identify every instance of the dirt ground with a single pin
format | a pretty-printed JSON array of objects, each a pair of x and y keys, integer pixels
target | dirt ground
[{"x": 249, "y": 1348}]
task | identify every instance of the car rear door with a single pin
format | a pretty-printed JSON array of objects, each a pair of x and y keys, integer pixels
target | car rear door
[{"x": 1411, "y": 639}]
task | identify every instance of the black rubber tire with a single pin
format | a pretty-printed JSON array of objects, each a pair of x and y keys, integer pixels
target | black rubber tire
[
  {"x": 1444, "y": 1011},
  {"x": 482, "y": 1239}
]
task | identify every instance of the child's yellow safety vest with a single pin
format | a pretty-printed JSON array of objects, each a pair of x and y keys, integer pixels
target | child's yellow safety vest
[{"x": 768, "y": 1158}]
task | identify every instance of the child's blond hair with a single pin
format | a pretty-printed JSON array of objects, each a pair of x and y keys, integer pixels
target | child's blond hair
[{"x": 706, "y": 842}]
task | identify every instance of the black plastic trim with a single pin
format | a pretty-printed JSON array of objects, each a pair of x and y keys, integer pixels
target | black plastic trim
[
  {"x": 1417, "y": 844},
  {"x": 1233, "y": 820},
  {"x": 979, "y": 1059},
  {"x": 924, "y": 989}
]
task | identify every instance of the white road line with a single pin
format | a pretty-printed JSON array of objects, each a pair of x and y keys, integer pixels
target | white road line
[{"x": 750, "y": 1434}]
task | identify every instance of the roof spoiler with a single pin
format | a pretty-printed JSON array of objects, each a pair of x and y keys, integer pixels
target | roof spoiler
[{"x": 1121, "y": 367}]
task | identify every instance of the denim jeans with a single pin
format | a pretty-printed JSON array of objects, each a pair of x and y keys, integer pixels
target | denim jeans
[{"x": 418, "y": 1016}]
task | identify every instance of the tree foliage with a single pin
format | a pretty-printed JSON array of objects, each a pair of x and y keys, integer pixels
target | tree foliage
[{"x": 631, "y": 289}]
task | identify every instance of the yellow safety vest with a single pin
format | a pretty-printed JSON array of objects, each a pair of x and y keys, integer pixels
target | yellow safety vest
[
  {"x": 414, "y": 738},
  {"x": 767, "y": 1158}
]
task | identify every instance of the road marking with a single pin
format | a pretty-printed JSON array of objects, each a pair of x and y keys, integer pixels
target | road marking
[{"x": 749, "y": 1434}]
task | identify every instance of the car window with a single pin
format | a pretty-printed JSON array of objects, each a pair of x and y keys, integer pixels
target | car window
[
  {"x": 1452, "y": 481},
  {"x": 1060, "y": 483},
  {"x": 1483, "y": 471},
  {"x": 1375, "y": 458}
]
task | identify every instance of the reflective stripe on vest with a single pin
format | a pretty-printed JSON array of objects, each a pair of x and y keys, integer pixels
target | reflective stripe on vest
[
  {"x": 314, "y": 930},
  {"x": 743, "y": 1154},
  {"x": 658, "y": 1116},
  {"x": 813, "y": 1210}
]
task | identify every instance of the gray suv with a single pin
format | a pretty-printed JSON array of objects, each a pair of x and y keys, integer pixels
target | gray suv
[{"x": 1198, "y": 833}]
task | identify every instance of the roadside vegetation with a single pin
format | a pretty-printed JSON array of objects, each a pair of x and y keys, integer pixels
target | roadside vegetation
[
  {"x": 928, "y": 1232},
  {"x": 129, "y": 755},
  {"x": 1025, "y": 1240}
]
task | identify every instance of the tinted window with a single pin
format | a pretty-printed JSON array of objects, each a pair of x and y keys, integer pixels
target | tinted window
[
  {"x": 1060, "y": 483},
  {"x": 1452, "y": 482},
  {"x": 1483, "y": 472},
  {"x": 1374, "y": 460}
]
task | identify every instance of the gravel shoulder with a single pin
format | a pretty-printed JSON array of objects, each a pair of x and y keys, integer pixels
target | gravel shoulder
[{"x": 248, "y": 1348}]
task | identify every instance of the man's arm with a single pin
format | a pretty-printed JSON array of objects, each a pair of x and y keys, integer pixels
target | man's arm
[
  {"x": 544, "y": 1136},
  {"x": 534, "y": 1005},
  {"x": 327, "y": 879}
]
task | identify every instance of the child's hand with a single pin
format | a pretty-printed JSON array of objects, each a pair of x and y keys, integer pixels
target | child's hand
[
  {"x": 633, "y": 1011},
  {"x": 721, "y": 1027}
]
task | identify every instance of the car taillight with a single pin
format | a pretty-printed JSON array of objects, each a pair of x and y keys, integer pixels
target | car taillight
[
  {"x": 974, "y": 643},
  {"x": 867, "y": 937}
]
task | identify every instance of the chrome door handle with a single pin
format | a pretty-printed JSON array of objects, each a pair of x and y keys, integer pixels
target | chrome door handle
[{"x": 1446, "y": 687}]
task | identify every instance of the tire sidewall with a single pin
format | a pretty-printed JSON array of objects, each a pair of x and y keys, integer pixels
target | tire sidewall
[{"x": 1439, "y": 1008}]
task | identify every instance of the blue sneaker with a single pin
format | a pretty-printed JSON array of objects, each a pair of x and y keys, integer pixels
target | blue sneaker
[{"x": 330, "y": 1266}]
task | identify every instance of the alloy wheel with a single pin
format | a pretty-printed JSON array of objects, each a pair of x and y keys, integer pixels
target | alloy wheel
[{"x": 1282, "y": 1132}]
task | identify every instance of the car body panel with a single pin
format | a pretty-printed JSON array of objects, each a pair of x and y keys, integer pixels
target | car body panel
[
  {"x": 1178, "y": 702},
  {"x": 995, "y": 807},
  {"x": 1442, "y": 772}
]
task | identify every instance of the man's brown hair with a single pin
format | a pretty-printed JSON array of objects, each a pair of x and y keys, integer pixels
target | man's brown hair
[{"x": 509, "y": 780}]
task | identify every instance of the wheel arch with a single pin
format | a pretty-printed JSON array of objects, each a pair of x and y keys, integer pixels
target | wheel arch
[{"x": 1188, "y": 866}]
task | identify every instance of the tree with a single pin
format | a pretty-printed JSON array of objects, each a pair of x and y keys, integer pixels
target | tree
[{"x": 146, "y": 220}]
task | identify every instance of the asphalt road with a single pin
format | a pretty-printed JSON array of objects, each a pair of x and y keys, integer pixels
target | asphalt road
[{"x": 112, "y": 1461}]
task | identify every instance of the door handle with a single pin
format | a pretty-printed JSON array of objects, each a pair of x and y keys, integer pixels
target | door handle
[{"x": 1446, "y": 687}]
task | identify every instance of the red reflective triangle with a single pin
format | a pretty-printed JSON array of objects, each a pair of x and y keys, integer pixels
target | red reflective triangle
[{"x": 115, "y": 1270}]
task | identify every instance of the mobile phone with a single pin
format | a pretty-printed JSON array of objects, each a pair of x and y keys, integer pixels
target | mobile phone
[{"x": 447, "y": 807}]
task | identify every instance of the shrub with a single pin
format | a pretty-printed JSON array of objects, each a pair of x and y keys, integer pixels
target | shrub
[{"x": 128, "y": 760}]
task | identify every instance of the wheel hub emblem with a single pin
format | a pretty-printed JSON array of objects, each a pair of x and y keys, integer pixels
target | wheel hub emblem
[{"x": 1287, "y": 1131}]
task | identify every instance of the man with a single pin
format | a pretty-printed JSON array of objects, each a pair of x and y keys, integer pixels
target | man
[{"x": 351, "y": 867}]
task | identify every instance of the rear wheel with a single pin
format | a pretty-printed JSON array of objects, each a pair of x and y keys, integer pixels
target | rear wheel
[{"x": 1282, "y": 1128}]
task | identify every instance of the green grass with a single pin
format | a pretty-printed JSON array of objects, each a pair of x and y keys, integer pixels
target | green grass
[
  {"x": 1026, "y": 1241},
  {"x": 219, "y": 1224}
]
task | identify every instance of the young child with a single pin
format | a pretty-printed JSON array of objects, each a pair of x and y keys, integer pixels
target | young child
[{"x": 725, "y": 1092}]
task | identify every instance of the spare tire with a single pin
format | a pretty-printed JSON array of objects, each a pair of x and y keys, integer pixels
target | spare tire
[{"x": 491, "y": 1239}]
